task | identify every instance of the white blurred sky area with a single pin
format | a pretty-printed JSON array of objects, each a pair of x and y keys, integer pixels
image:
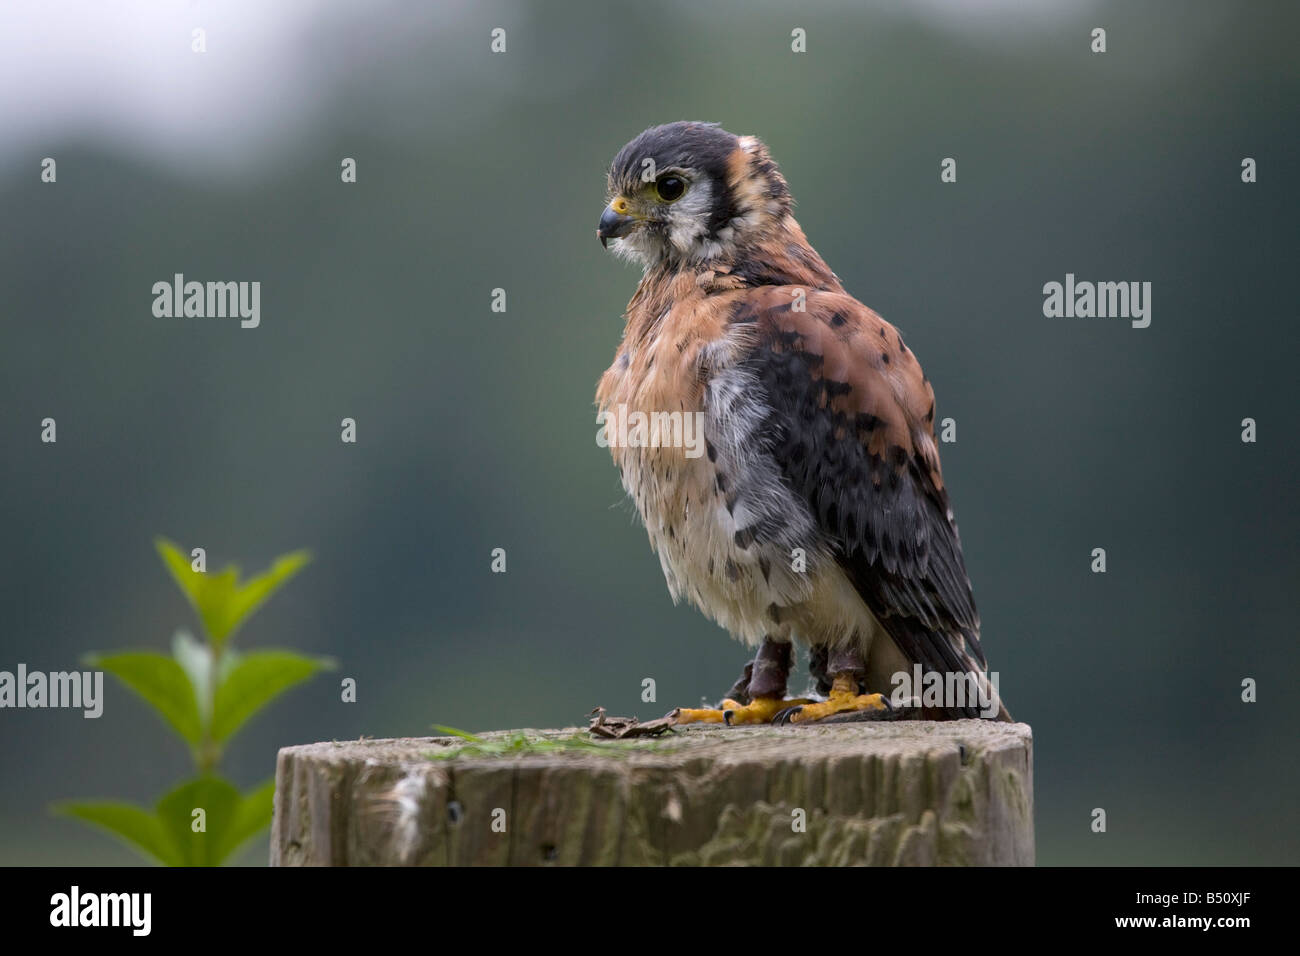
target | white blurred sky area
[{"x": 122, "y": 74}]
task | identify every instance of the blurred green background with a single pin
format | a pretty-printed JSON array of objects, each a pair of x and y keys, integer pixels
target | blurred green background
[{"x": 476, "y": 430}]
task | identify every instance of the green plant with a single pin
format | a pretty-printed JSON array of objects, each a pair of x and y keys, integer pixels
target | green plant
[
  {"x": 205, "y": 692},
  {"x": 518, "y": 743}
]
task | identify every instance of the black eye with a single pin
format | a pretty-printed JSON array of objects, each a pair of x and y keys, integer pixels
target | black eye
[{"x": 670, "y": 188}]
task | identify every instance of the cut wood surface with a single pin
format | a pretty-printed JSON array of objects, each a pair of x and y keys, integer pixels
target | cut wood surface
[{"x": 898, "y": 793}]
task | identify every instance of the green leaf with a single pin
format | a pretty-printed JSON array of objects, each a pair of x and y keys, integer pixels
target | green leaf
[
  {"x": 252, "y": 816},
  {"x": 221, "y": 806},
  {"x": 209, "y": 594},
  {"x": 453, "y": 732},
  {"x": 134, "y": 826},
  {"x": 167, "y": 834},
  {"x": 220, "y": 600},
  {"x": 162, "y": 682},
  {"x": 256, "y": 679},
  {"x": 254, "y": 593},
  {"x": 195, "y": 659}
]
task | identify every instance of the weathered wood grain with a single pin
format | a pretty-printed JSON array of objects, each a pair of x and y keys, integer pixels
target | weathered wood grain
[{"x": 902, "y": 793}]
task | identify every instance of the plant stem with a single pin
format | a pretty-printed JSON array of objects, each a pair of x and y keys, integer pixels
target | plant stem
[{"x": 209, "y": 752}]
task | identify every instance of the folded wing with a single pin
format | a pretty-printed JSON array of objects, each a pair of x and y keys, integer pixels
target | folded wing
[{"x": 852, "y": 420}]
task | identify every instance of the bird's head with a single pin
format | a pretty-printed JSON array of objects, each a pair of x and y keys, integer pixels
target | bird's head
[{"x": 691, "y": 192}]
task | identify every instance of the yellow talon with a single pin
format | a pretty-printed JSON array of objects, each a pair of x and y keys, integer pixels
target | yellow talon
[
  {"x": 844, "y": 697},
  {"x": 698, "y": 715},
  {"x": 760, "y": 711}
]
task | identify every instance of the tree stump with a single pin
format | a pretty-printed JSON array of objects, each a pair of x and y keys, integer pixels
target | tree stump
[{"x": 901, "y": 793}]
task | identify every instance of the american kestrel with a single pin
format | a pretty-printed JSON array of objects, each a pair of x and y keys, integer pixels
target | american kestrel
[{"x": 817, "y": 511}]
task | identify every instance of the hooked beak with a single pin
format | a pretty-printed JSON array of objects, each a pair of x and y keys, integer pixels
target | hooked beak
[{"x": 614, "y": 222}]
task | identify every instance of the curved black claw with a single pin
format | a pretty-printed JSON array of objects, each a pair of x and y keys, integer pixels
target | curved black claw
[
  {"x": 785, "y": 717},
  {"x": 727, "y": 715}
]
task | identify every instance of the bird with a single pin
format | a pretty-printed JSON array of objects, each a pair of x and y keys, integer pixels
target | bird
[{"x": 815, "y": 512}]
